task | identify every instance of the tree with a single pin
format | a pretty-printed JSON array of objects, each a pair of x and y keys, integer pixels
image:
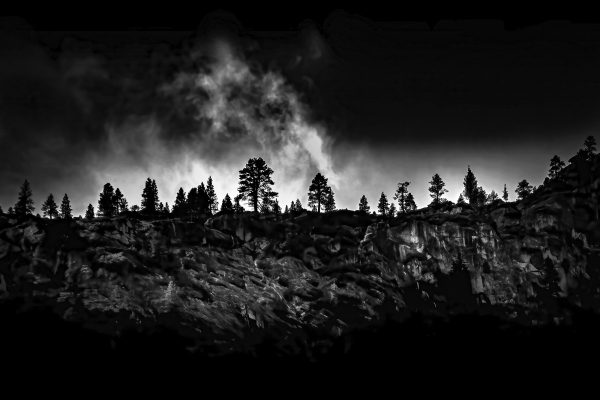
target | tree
[
  {"x": 49, "y": 207},
  {"x": 1, "y": 210},
  {"x": 180, "y": 203},
  {"x": 226, "y": 205},
  {"x": 523, "y": 189},
  {"x": 255, "y": 182},
  {"x": 24, "y": 205},
  {"x": 287, "y": 210},
  {"x": 65, "y": 208},
  {"x": 119, "y": 202},
  {"x": 392, "y": 211},
  {"x": 106, "y": 204},
  {"x": 329, "y": 203},
  {"x": 89, "y": 213},
  {"x": 276, "y": 207},
  {"x": 383, "y": 207},
  {"x": 493, "y": 196},
  {"x": 556, "y": 165},
  {"x": 470, "y": 183},
  {"x": 150, "y": 197},
  {"x": 11, "y": 211},
  {"x": 436, "y": 188},
  {"x": 410, "y": 202},
  {"x": 167, "y": 210},
  {"x": 505, "y": 193},
  {"x": 265, "y": 206},
  {"x": 589, "y": 147},
  {"x": 298, "y": 206},
  {"x": 318, "y": 192},
  {"x": 203, "y": 200},
  {"x": 213, "y": 205},
  {"x": 400, "y": 195},
  {"x": 363, "y": 204},
  {"x": 480, "y": 196},
  {"x": 461, "y": 200},
  {"x": 135, "y": 208},
  {"x": 237, "y": 207}
]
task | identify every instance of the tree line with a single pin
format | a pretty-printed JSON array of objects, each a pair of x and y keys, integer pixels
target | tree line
[{"x": 256, "y": 189}]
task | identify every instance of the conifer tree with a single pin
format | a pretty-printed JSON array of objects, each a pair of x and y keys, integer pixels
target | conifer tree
[
  {"x": 65, "y": 208},
  {"x": 505, "y": 193},
  {"x": 24, "y": 205},
  {"x": 383, "y": 207},
  {"x": 106, "y": 204},
  {"x": 255, "y": 182},
  {"x": 89, "y": 213},
  {"x": 392, "y": 212},
  {"x": 410, "y": 202},
  {"x": 436, "y": 188},
  {"x": 49, "y": 207},
  {"x": 298, "y": 205},
  {"x": 556, "y": 165},
  {"x": 318, "y": 192},
  {"x": 237, "y": 207},
  {"x": 329, "y": 203},
  {"x": 213, "y": 205},
  {"x": 400, "y": 195},
  {"x": 470, "y": 183},
  {"x": 363, "y": 204},
  {"x": 180, "y": 203},
  {"x": 150, "y": 197},
  {"x": 589, "y": 147},
  {"x": 226, "y": 205},
  {"x": 523, "y": 189}
]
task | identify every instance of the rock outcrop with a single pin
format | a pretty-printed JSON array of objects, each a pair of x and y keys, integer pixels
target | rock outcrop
[{"x": 231, "y": 281}]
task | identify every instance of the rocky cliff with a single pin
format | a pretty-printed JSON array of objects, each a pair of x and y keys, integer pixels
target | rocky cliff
[{"x": 231, "y": 283}]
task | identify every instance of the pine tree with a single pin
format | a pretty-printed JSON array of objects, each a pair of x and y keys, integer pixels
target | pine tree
[
  {"x": 329, "y": 203},
  {"x": 436, "y": 189},
  {"x": 65, "y": 208},
  {"x": 480, "y": 196},
  {"x": 493, "y": 196},
  {"x": 392, "y": 211},
  {"x": 265, "y": 205},
  {"x": 523, "y": 189},
  {"x": 293, "y": 206},
  {"x": 410, "y": 202},
  {"x": 461, "y": 200},
  {"x": 298, "y": 205},
  {"x": 556, "y": 165},
  {"x": 89, "y": 213},
  {"x": 400, "y": 195},
  {"x": 135, "y": 208},
  {"x": 226, "y": 205},
  {"x": 383, "y": 207},
  {"x": 255, "y": 182},
  {"x": 589, "y": 147},
  {"x": 150, "y": 197},
  {"x": 505, "y": 193},
  {"x": 24, "y": 205},
  {"x": 276, "y": 207},
  {"x": 203, "y": 200},
  {"x": 470, "y": 183},
  {"x": 120, "y": 204},
  {"x": 287, "y": 210},
  {"x": 317, "y": 192},
  {"x": 11, "y": 211},
  {"x": 363, "y": 204},
  {"x": 49, "y": 207},
  {"x": 167, "y": 210},
  {"x": 106, "y": 204},
  {"x": 180, "y": 203},
  {"x": 213, "y": 205},
  {"x": 191, "y": 205}
]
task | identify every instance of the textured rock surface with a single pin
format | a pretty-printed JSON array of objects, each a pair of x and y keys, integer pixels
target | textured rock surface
[{"x": 231, "y": 281}]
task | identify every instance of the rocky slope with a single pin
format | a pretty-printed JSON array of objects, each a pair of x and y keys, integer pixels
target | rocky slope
[{"x": 231, "y": 283}]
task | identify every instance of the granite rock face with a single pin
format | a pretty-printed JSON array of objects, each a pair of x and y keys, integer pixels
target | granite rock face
[{"x": 231, "y": 281}]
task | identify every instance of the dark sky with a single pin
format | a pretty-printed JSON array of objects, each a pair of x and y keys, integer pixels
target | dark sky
[{"x": 368, "y": 101}]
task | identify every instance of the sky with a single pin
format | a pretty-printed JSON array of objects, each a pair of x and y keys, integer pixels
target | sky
[{"x": 365, "y": 100}]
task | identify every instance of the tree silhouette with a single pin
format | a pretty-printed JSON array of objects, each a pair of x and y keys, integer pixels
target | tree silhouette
[
  {"x": 556, "y": 165},
  {"x": 180, "y": 203},
  {"x": 523, "y": 189},
  {"x": 363, "y": 204},
  {"x": 237, "y": 207},
  {"x": 226, "y": 205},
  {"x": 11, "y": 211},
  {"x": 410, "y": 202},
  {"x": 505, "y": 193},
  {"x": 49, "y": 207},
  {"x": 493, "y": 196},
  {"x": 383, "y": 207},
  {"x": 392, "y": 211},
  {"x": 461, "y": 200},
  {"x": 203, "y": 200},
  {"x": 317, "y": 192},
  {"x": 329, "y": 203},
  {"x": 436, "y": 188},
  {"x": 135, "y": 208},
  {"x": 89, "y": 213},
  {"x": 213, "y": 205},
  {"x": 166, "y": 209},
  {"x": 24, "y": 205},
  {"x": 191, "y": 205},
  {"x": 1, "y": 210},
  {"x": 119, "y": 202},
  {"x": 150, "y": 197},
  {"x": 276, "y": 207},
  {"x": 255, "y": 182},
  {"x": 470, "y": 183},
  {"x": 65, "y": 208},
  {"x": 298, "y": 206},
  {"x": 265, "y": 205},
  {"x": 106, "y": 203},
  {"x": 480, "y": 196},
  {"x": 400, "y": 195},
  {"x": 589, "y": 147}
]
